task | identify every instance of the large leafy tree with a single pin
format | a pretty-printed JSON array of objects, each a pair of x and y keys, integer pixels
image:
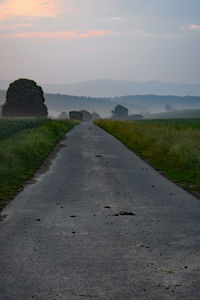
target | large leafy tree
[
  {"x": 24, "y": 98},
  {"x": 120, "y": 112}
]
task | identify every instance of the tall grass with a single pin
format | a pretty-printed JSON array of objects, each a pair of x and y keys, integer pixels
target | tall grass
[
  {"x": 171, "y": 146},
  {"x": 9, "y": 126},
  {"x": 176, "y": 123},
  {"x": 23, "y": 152}
]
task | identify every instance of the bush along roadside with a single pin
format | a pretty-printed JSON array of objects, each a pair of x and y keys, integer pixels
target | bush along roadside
[
  {"x": 171, "y": 147},
  {"x": 21, "y": 154}
]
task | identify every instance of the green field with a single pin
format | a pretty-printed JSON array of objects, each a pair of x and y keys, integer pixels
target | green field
[
  {"x": 172, "y": 146},
  {"x": 24, "y": 144},
  {"x": 176, "y": 123},
  {"x": 10, "y": 126}
]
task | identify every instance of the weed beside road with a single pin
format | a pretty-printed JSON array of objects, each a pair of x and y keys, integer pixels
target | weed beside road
[
  {"x": 27, "y": 143},
  {"x": 172, "y": 146}
]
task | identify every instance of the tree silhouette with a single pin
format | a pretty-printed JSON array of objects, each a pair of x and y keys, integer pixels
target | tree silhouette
[
  {"x": 168, "y": 108},
  {"x": 120, "y": 112},
  {"x": 24, "y": 98},
  {"x": 63, "y": 115},
  {"x": 95, "y": 116},
  {"x": 86, "y": 115},
  {"x": 76, "y": 115}
]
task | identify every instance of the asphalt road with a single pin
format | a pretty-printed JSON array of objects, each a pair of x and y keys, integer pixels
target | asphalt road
[{"x": 64, "y": 237}]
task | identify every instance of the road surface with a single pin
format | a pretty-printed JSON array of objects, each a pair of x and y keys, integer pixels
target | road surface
[{"x": 66, "y": 235}]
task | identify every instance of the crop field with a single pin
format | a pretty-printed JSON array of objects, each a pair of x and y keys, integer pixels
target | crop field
[
  {"x": 24, "y": 144},
  {"x": 179, "y": 124},
  {"x": 172, "y": 146},
  {"x": 12, "y": 126}
]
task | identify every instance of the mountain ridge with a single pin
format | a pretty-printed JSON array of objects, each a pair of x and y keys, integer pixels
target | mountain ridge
[{"x": 115, "y": 88}]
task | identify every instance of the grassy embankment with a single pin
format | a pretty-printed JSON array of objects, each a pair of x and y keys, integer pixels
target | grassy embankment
[
  {"x": 24, "y": 144},
  {"x": 172, "y": 146}
]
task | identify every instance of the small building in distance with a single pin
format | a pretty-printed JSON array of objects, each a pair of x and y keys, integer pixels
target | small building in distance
[{"x": 76, "y": 115}]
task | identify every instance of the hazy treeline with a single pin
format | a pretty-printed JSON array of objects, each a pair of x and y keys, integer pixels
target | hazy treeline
[{"x": 144, "y": 104}]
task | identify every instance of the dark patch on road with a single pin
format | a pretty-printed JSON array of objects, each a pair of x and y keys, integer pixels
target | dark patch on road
[
  {"x": 3, "y": 217},
  {"x": 88, "y": 296},
  {"x": 124, "y": 213}
]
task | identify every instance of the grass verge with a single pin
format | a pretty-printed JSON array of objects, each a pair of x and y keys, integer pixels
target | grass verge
[
  {"x": 170, "y": 146},
  {"x": 22, "y": 153}
]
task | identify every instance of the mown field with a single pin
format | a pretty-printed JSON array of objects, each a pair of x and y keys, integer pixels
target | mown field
[
  {"x": 172, "y": 146},
  {"x": 24, "y": 144}
]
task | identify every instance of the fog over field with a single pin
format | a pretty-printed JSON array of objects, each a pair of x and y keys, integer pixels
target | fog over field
[{"x": 136, "y": 104}]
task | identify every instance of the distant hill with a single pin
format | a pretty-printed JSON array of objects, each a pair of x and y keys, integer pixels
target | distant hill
[
  {"x": 155, "y": 103},
  {"x": 113, "y": 88},
  {"x": 146, "y": 104},
  {"x": 57, "y": 103}
]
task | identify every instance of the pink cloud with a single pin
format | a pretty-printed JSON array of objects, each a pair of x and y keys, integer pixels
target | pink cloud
[
  {"x": 15, "y": 26},
  {"x": 194, "y": 27},
  {"x": 61, "y": 35},
  {"x": 115, "y": 18},
  {"x": 93, "y": 33},
  {"x": 29, "y": 8}
]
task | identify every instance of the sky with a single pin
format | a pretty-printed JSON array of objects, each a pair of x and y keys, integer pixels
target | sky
[{"x": 67, "y": 41}]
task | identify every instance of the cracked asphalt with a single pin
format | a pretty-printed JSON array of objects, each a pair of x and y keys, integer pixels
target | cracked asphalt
[{"x": 100, "y": 224}]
